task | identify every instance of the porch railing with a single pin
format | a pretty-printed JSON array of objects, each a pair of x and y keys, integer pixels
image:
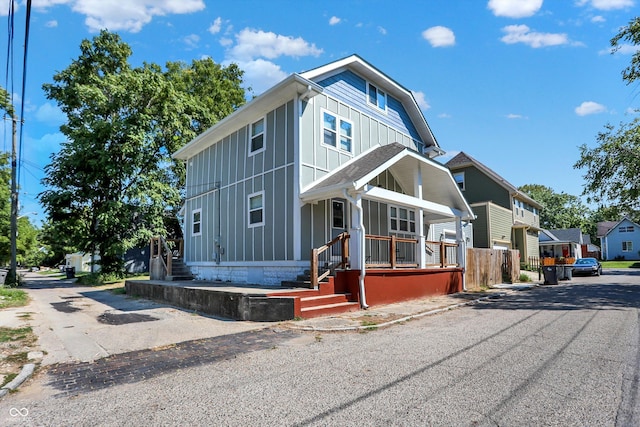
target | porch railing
[
  {"x": 390, "y": 252},
  {"x": 165, "y": 250},
  {"x": 328, "y": 257},
  {"x": 441, "y": 254},
  {"x": 380, "y": 252}
]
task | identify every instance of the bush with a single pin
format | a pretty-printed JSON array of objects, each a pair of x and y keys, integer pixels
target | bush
[{"x": 524, "y": 277}]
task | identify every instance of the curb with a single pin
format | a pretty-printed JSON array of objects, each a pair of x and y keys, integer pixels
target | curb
[
  {"x": 403, "y": 319},
  {"x": 25, "y": 373}
]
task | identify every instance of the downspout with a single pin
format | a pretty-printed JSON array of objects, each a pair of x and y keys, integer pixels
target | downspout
[
  {"x": 304, "y": 96},
  {"x": 363, "y": 259}
]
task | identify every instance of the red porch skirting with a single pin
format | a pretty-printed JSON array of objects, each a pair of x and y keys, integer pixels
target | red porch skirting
[{"x": 385, "y": 286}]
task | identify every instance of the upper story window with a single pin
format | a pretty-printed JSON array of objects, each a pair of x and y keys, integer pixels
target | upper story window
[
  {"x": 256, "y": 209},
  {"x": 628, "y": 229},
  {"x": 459, "y": 177},
  {"x": 257, "y": 137},
  {"x": 377, "y": 97},
  {"x": 336, "y": 131},
  {"x": 196, "y": 222},
  {"x": 402, "y": 219}
]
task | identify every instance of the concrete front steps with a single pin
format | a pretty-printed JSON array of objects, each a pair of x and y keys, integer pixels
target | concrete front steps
[{"x": 319, "y": 302}]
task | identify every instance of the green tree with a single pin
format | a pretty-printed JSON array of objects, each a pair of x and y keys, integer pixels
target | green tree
[
  {"x": 611, "y": 168},
  {"x": 559, "y": 210},
  {"x": 113, "y": 183}
]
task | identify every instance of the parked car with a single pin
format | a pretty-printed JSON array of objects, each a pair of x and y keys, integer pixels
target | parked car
[{"x": 587, "y": 266}]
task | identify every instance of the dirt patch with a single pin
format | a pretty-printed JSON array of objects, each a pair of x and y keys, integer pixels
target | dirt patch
[
  {"x": 15, "y": 345},
  {"x": 64, "y": 307}
]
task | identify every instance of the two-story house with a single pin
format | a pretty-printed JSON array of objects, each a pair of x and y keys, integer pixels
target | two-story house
[
  {"x": 506, "y": 218},
  {"x": 619, "y": 239},
  {"x": 338, "y": 150}
]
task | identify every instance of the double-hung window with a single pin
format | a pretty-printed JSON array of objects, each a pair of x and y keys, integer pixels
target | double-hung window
[
  {"x": 257, "y": 137},
  {"x": 336, "y": 131},
  {"x": 196, "y": 222},
  {"x": 459, "y": 177},
  {"x": 377, "y": 97},
  {"x": 256, "y": 209},
  {"x": 402, "y": 220},
  {"x": 627, "y": 246}
]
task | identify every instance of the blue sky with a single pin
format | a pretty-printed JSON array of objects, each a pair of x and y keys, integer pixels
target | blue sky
[{"x": 516, "y": 84}]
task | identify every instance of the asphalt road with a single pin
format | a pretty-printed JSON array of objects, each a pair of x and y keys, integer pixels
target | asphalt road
[{"x": 556, "y": 355}]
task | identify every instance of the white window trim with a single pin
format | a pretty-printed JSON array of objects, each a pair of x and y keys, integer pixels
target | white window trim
[
  {"x": 386, "y": 98},
  {"x": 251, "y": 136},
  {"x": 415, "y": 220},
  {"x": 627, "y": 243},
  {"x": 339, "y": 118},
  {"x": 193, "y": 213},
  {"x": 249, "y": 197}
]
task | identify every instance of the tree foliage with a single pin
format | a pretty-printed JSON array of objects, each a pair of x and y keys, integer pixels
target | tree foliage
[
  {"x": 611, "y": 175},
  {"x": 559, "y": 210},
  {"x": 5, "y": 209},
  {"x": 114, "y": 182}
]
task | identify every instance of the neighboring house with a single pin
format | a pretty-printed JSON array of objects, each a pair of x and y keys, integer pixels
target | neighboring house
[
  {"x": 619, "y": 240},
  {"x": 81, "y": 262},
  {"x": 561, "y": 243},
  {"x": 340, "y": 148},
  {"x": 506, "y": 218}
]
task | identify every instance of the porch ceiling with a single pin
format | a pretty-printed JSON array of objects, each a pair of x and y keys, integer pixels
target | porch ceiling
[{"x": 441, "y": 197}]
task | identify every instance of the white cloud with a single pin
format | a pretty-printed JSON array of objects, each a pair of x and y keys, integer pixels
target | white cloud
[
  {"x": 626, "y": 49},
  {"x": 51, "y": 114},
  {"x": 191, "y": 40},
  {"x": 334, "y": 20},
  {"x": 225, "y": 42},
  {"x": 421, "y": 100},
  {"x": 607, "y": 4},
  {"x": 598, "y": 19},
  {"x": 252, "y": 44},
  {"x": 261, "y": 74},
  {"x": 51, "y": 24},
  {"x": 118, "y": 15},
  {"x": 512, "y": 116},
  {"x": 523, "y": 34},
  {"x": 589, "y": 107},
  {"x": 514, "y": 8},
  {"x": 382, "y": 31},
  {"x": 439, "y": 36},
  {"x": 444, "y": 116},
  {"x": 216, "y": 26}
]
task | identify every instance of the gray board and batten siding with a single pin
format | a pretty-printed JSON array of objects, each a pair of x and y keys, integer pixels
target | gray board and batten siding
[{"x": 219, "y": 181}]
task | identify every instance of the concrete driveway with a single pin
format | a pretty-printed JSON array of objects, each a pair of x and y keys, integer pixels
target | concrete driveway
[{"x": 78, "y": 323}]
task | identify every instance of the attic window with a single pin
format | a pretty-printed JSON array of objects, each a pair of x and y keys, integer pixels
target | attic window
[
  {"x": 459, "y": 177},
  {"x": 377, "y": 97}
]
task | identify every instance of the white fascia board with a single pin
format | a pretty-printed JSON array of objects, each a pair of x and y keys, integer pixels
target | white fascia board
[
  {"x": 287, "y": 89},
  {"x": 409, "y": 201}
]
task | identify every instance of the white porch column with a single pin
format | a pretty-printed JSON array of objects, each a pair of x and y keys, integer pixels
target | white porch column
[
  {"x": 462, "y": 243},
  {"x": 356, "y": 250},
  {"x": 421, "y": 255}
]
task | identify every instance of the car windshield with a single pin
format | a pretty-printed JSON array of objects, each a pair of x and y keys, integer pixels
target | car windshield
[{"x": 586, "y": 261}]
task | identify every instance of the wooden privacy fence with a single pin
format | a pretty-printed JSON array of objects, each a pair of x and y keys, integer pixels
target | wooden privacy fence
[{"x": 488, "y": 267}]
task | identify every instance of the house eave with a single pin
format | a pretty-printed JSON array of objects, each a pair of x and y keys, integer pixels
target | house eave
[{"x": 290, "y": 88}]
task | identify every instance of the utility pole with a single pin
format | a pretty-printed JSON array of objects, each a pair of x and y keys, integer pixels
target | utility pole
[{"x": 12, "y": 277}]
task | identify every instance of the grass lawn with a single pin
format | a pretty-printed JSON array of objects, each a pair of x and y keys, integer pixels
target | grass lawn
[
  {"x": 620, "y": 264},
  {"x": 12, "y": 297}
]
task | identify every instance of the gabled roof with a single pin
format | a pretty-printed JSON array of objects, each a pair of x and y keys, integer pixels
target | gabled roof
[
  {"x": 568, "y": 234},
  {"x": 609, "y": 226},
  {"x": 440, "y": 192},
  {"x": 305, "y": 84},
  {"x": 370, "y": 73},
  {"x": 463, "y": 160}
]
